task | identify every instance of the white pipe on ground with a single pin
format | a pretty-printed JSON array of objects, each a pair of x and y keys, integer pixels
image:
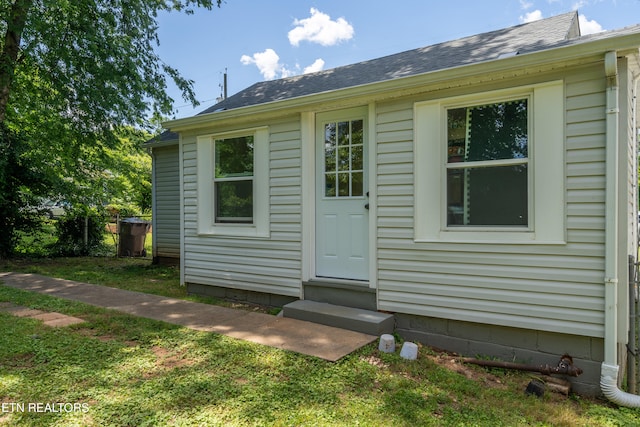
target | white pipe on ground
[{"x": 609, "y": 387}]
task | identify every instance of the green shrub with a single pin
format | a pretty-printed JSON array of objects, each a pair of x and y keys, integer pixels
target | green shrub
[
  {"x": 37, "y": 242},
  {"x": 80, "y": 232}
]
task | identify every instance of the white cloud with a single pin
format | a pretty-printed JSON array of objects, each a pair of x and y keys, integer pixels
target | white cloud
[
  {"x": 269, "y": 65},
  {"x": 268, "y": 62},
  {"x": 524, "y": 4},
  {"x": 579, "y": 4},
  {"x": 318, "y": 65},
  {"x": 536, "y": 15},
  {"x": 319, "y": 28},
  {"x": 589, "y": 27}
]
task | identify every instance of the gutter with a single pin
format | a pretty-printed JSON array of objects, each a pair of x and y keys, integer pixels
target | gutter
[{"x": 609, "y": 368}]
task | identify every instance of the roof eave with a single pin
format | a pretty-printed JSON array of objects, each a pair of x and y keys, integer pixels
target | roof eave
[
  {"x": 561, "y": 55},
  {"x": 158, "y": 144}
]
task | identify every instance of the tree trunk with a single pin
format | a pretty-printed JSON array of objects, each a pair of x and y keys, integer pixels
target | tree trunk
[{"x": 11, "y": 48}]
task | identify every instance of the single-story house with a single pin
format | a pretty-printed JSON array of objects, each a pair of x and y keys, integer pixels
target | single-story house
[{"x": 483, "y": 190}]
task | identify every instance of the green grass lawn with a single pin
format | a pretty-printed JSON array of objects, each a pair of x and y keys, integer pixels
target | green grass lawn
[{"x": 120, "y": 370}]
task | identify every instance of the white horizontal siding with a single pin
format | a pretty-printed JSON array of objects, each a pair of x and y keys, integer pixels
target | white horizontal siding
[
  {"x": 166, "y": 229},
  {"x": 544, "y": 287},
  {"x": 629, "y": 215},
  {"x": 271, "y": 265}
]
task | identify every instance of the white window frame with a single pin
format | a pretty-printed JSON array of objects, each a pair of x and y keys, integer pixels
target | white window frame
[
  {"x": 546, "y": 170},
  {"x": 493, "y": 164},
  {"x": 207, "y": 224}
]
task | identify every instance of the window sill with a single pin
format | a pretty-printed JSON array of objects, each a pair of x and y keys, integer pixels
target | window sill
[
  {"x": 248, "y": 231},
  {"x": 489, "y": 237}
]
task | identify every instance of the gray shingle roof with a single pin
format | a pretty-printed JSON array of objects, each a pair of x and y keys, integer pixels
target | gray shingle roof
[
  {"x": 164, "y": 137},
  {"x": 524, "y": 38},
  {"x": 554, "y": 32}
]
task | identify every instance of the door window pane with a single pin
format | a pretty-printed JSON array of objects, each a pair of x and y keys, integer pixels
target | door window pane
[
  {"x": 343, "y": 184},
  {"x": 357, "y": 132},
  {"x": 330, "y": 184},
  {"x": 356, "y": 158},
  {"x": 357, "y": 184},
  {"x": 344, "y": 136},
  {"x": 330, "y": 159},
  {"x": 344, "y": 159}
]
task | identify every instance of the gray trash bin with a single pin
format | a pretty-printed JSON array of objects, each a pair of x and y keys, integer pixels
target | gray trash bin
[{"x": 132, "y": 234}]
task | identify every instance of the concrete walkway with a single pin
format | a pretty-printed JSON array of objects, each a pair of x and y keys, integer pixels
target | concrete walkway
[{"x": 308, "y": 338}]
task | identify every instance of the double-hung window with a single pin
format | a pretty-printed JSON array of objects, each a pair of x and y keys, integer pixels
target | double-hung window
[
  {"x": 487, "y": 164},
  {"x": 233, "y": 183},
  {"x": 233, "y": 180},
  {"x": 489, "y": 167}
]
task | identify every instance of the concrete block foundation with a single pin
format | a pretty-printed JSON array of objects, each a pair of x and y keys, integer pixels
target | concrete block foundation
[{"x": 509, "y": 344}]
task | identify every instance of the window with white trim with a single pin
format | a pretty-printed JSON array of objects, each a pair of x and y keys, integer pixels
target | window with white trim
[
  {"x": 233, "y": 180},
  {"x": 487, "y": 164},
  {"x": 489, "y": 167},
  {"x": 233, "y": 183}
]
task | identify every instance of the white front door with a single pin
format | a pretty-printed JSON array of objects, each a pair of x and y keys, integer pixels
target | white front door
[{"x": 342, "y": 216}]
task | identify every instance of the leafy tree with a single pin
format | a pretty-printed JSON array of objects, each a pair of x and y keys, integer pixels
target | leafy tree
[
  {"x": 14, "y": 214},
  {"x": 74, "y": 76},
  {"x": 127, "y": 179}
]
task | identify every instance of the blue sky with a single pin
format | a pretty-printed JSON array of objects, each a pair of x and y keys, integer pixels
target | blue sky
[{"x": 262, "y": 40}]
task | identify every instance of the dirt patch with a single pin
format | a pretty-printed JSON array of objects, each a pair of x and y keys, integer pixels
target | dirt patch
[
  {"x": 24, "y": 360},
  {"x": 452, "y": 362},
  {"x": 241, "y": 381},
  {"x": 92, "y": 333},
  {"x": 245, "y": 306},
  {"x": 375, "y": 361},
  {"x": 168, "y": 360}
]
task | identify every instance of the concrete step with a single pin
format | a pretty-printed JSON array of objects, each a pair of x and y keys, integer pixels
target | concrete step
[
  {"x": 354, "y": 319},
  {"x": 358, "y": 295}
]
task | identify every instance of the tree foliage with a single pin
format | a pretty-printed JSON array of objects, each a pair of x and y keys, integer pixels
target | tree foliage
[
  {"x": 14, "y": 203},
  {"x": 96, "y": 58},
  {"x": 127, "y": 180},
  {"x": 76, "y": 77}
]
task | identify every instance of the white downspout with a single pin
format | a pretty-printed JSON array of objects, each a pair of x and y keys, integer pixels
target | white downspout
[
  {"x": 610, "y": 368},
  {"x": 154, "y": 202}
]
